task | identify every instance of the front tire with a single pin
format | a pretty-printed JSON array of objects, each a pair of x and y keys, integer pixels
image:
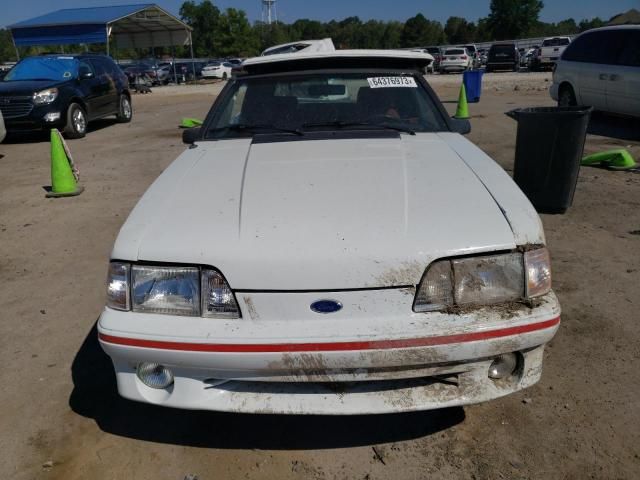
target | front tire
[
  {"x": 125, "y": 111},
  {"x": 224, "y": 76},
  {"x": 76, "y": 126}
]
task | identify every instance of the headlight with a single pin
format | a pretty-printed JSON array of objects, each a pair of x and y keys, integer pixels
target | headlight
[
  {"x": 484, "y": 280},
  {"x": 45, "y": 96},
  {"x": 173, "y": 290},
  {"x": 170, "y": 290}
]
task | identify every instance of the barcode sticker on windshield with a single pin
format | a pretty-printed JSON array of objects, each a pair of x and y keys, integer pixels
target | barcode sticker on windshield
[{"x": 392, "y": 82}]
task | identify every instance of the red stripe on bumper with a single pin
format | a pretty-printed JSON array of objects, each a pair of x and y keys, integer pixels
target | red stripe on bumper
[{"x": 330, "y": 347}]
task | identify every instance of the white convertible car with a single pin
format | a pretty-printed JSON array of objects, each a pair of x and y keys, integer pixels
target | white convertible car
[{"x": 329, "y": 244}]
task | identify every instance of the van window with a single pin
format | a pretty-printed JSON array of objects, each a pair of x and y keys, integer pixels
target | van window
[
  {"x": 588, "y": 47},
  {"x": 628, "y": 48}
]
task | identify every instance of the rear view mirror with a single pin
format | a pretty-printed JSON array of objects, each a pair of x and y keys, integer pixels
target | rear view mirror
[
  {"x": 191, "y": 135},
  {"x": 326, "y": 90},
  {"x": 460, "y": 126}
]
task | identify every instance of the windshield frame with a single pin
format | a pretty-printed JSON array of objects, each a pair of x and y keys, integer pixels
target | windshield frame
[{"x": 217, "y": 109}]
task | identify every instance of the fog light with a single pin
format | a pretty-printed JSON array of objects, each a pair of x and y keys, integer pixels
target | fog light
[
  {"x": 154, "y": 375},
  {"x": 52, "y": 117},
  {"x": 503, "y": 366}
]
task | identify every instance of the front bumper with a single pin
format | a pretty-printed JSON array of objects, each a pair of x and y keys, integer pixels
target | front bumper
[
  {"x": 35, "y": 121},
  {"x": 212, "y": 74},
  {"x": 553, "y": 91},
  {"x": 453, "y": 67},
  {"x": 328, "y": 366}
]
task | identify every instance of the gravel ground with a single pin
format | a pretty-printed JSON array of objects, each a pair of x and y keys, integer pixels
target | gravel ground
[{"x": 61, "y": 416}]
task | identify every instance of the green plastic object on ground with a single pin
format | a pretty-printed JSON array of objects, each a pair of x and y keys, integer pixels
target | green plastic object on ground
[
  {"x": 462, "y": 112},
  {"x": 618, "y": 159},
  {"x": 63, "y": 181},
  {"x": 190, "y": 123}
]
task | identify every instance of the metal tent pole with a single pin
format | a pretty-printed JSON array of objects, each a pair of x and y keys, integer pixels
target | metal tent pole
[
  {"x": 193, "y": 65},
  {"x": 175, "y": 75},
  {"x": 107, "y": 32},
  {"x": 16, "y": 48}
]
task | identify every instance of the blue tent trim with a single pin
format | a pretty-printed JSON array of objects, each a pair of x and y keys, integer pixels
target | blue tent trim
[
  {"x": 75, "y": 16},
  {"x": 139, "y": 26},
  {"x": 60, "y": 35}
]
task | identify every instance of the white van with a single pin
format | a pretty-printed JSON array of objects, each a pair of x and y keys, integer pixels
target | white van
[{"x": 601, "y": 68}]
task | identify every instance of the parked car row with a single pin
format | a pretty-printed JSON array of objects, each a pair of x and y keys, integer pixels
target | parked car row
[
  {"x": 165, "y": 72},
  {"x": 500, "y": 56}
]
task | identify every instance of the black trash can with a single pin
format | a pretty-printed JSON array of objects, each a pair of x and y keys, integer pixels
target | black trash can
[{"x": 549, "y": 149}]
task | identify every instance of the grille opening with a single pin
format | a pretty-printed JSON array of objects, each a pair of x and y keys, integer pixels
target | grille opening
[{"x": 301, "y": 387}]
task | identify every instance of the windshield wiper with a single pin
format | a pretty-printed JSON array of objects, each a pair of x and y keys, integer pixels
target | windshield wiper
[
  {"x": 342, "y": 124},
  {"x": 242, "y": 127}
]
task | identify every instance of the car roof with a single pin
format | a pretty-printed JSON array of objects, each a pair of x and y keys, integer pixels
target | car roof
[
  {"x": 613, "y": 27},
  {"x": 285, "y": 62}
]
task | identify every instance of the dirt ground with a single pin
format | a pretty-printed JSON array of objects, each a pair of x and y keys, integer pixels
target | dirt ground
[{"x": 61, "y": 417}]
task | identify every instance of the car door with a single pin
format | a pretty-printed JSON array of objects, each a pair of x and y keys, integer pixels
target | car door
[
  {"x": 89, "y": 86},
  {"x": 585, "y": 63},
  {"x": 623, "y": 82},
  {"x": 107, "y": 100}
]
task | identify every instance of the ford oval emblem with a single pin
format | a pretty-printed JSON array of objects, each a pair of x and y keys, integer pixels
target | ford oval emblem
[{"x": 326, "y": 306}]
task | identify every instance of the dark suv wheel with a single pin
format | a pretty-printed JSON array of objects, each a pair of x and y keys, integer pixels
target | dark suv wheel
[
  {"x": 125, "y": 111},
  {"x": 76, "y": 126}
]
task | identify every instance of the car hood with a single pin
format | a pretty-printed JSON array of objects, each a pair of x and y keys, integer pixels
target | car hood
[
  {"x": 26, "y": 87},
  {"x": 316, "y": 214}
]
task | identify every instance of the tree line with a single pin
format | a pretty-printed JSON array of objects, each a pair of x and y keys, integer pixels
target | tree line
[{"x": 228, "y": 33}]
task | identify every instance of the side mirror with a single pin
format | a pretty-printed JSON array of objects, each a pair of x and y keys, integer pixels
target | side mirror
[
  {"x": 191, "y": 135},
  {"x": 86, "y": 74},
  {"x": 460, "y": 126}
]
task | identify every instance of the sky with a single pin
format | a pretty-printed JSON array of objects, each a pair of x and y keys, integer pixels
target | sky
[{"x": 12, "y": 11}]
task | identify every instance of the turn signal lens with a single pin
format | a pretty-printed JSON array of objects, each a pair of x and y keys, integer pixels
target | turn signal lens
[
  {"x": 218, "y": 299},
  {"x": 118, "y": 286},
  {"x": 436, "y": 289},
  {"x": 537, "y": 265}
]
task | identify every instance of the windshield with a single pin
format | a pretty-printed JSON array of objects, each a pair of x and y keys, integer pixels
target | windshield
[
  {"x": 325, "y": 101},
  {"x": 502, "y": 50},
  {"x": 44, "y": 68},
  {"x": 555, "y": 42}
]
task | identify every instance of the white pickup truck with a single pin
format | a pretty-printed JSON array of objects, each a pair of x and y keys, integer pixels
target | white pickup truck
[{"x": 549, "y": 52}]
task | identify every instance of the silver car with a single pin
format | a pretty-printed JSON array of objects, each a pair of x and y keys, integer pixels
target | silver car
[{"x": 601, "y": 68}]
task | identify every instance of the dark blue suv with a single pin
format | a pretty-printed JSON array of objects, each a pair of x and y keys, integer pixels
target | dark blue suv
[{"x": 64, "y": 92}]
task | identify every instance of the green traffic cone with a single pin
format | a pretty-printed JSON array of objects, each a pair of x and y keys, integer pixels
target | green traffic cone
[
  {"x": 462, "y": 112},
  {"x": 617, "y": 159},
  {"x": 63, "y": 182}
]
